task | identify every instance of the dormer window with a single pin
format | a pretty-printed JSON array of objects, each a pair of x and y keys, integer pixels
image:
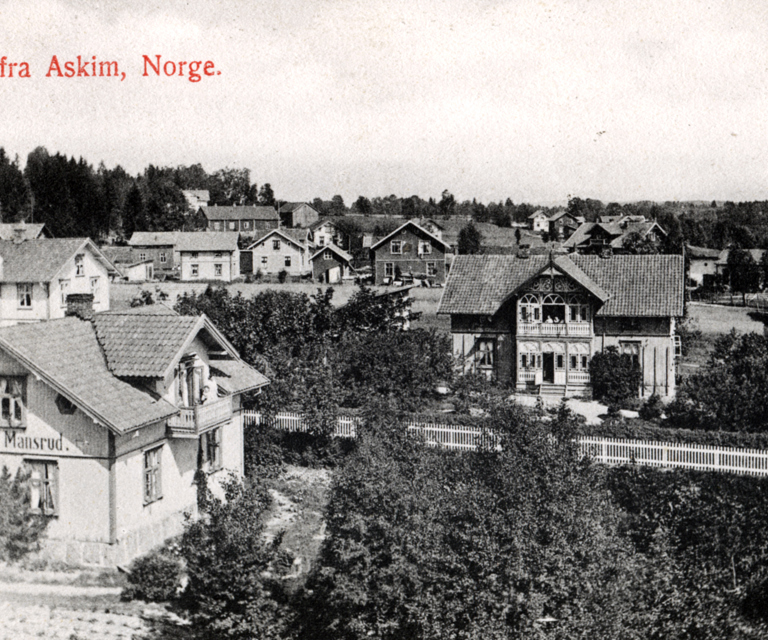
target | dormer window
[
  {"x": 13, "y": 395},
  {"x": 79, "y": 264}
]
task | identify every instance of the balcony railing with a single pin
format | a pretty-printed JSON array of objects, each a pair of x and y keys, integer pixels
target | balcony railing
[
  {"x": 191, "y": 421},
  {"x": 554, "y": 329}
]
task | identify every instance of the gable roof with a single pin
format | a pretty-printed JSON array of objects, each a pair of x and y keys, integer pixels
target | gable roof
[
  {"x": 702, "y": 253},
  {"x": 240, "y": 212},
  {"x": 236, "y": 377},
  {"x": 207, "y": 241},
  {"x": 290, "y": 207},
  {"x": 65, "y": 353},
  {"x": 619, "y": 231},
  {"x": 337, "y": 250},
  {"x": 41, "y": 259},
  {"x": 417, "y": 227},
  {"x": 294, "y": 236},
  {"x": 29, "y": 230},
  {"x": 153, "y": 238},
  {"x": 638, "y": 285},
  {"x": 537, "y": 213}
]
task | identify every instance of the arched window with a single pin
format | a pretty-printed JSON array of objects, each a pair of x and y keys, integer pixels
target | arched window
[
  {"x": 578, "y": 309},
  {"x": 529, "y": 308},
  {"x": 553, "y": 308}
]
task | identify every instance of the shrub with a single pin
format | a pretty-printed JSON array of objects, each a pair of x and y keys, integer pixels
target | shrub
[
  {"x": 615, "y": 378},
  {"x": 20, "y": 530},
  {"x": 652, "y": 408},
  {"x": 155, "y": 577},
  {"x": 282, "y": 276},
  {"x": 142, "y": 298},
  {"x": 258, "y": 275}
]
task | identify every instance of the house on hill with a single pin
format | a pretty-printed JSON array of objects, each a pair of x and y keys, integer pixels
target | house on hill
[
  {"x": 562, "y": 225},
  {"x": 37, "y": 275},
  {"x": 298, "y": 214},
  {"x": 211, "y": 255},
  {"x": 112, "y": 415},
  {"x": 248, "y": 220},
  {"x": 702, "y": 265},
  {"x": 282, "y": 250},
  {"x": 536, "y": 322},
  {"x": 594, "y": 237},
  {"x": 409, "y": 251},
  {"x": 539, "y": 221},
  {"x": 331, "y": 265}
]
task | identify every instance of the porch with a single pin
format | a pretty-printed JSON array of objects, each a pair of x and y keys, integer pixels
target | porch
[{"x": 192, "y": 421}]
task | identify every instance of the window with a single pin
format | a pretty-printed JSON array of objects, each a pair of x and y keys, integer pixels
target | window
[
  {"x": 276, "y": 245},
  {"x": 530, "y": 310},
  {"x": 632, "y": 349},
  {"x": 24, "y": 292},
  {"x": 529, "y": 360},
  {"x": 218, "y": 226},
  {"x": 79, "y": 265},
  {"x": 43, "y": 486},
  {"x": 578, "y": 310},
  {"x": 560, "y": 361},
  {"x": 65, "y": 407},
  {"x": 195, "y": 270},
  {"x": 484, "y": 353},
  {"x": 64, "y": 286},
  {"x": 287, "y": 261},
  {"x": 321, "y": 240},
  {"x": 264, "y": 260},
  {"x": 210, "y": 450},
  {"x": 396, "y": 247},
  {"x": 152, "y": 476},
  {"x": 13, "y": 399},
  {"x": 218, "y": 254},
  {"x": 327, "y": 255},
  {"x": 245, "y": 224},
  {"x": 425, "y": 247},
  {"x": 553, "y": 308},
  {"x": 431, "y": 268},
  {"x": 193, "y": 255},
  {"x": 233, "y": 226},
  {"x": 389, "y": 269},
  {"x": 217, "y": 270},
  {"x": 142, "y": 256},
  {"x": 95, "y": 286},
  {"x": 163, "y": 257}
]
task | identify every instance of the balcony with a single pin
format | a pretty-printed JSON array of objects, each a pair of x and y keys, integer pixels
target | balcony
[
  {"x": 547, "y": 329},
  {"x": 191, "y": 421}
]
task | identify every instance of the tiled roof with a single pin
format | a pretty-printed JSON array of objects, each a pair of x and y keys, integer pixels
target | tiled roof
[
  {"x": 289, "y": 207},
  {"x": 616, "y": 229},
  {"x": 157, "y": 309},
  {"x": 41, "y": 259},
  {"x": 67, "y": 355},
  {"x": 332, "y": 247},
  {"x": 30, "y": 230},
  {"x": 296, "y": 236},
  {"x": 143, "y": 346},
  {"x": 241, "y": 213},
  {"x": 638, "y": 285},
  {"x": 702, "y": 252},
  {"x": 153, "y": 238},
  {"x": 418, "y": 228},
  {"x": 207, "y": 241},
  {"x": 236, "y": 377}
]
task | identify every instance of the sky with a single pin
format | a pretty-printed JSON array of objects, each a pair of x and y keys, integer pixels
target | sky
[{"x": 531, "y": 100}]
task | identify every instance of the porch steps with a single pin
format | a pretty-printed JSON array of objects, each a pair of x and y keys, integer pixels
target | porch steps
[{"x": 552, "y": 390}]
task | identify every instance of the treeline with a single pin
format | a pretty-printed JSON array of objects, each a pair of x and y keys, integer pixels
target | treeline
[{"x": 74, "y": 198}]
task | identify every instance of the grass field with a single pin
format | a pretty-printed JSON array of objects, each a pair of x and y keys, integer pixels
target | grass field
[{"x": 717, "y": 319}]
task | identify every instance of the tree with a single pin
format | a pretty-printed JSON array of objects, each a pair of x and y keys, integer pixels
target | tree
[
  {"x": 428, "y": 544},
  {"x": 20, "y": 529},
  {"x": 266, "y": 196},
  {"x": 743, "y": 271},
  {"x": 14, "y": 195},
  {"x": 470, "y": 240},
  {"x": 337, "y": 206},
  {"x": 615, "y": 377},
  {"x": 362, "y": 205},
  {"x": 447, "y": 204},
  {"x": 636, "y": 242}
]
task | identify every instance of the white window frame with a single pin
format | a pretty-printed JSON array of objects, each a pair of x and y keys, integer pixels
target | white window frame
[
  {"x": 43, "y": 486},
  {"x": 275, "y": 245},
  {"x": 287, "y": 261},
  {"x": 218, "y": 269},
  {"x": 64, "y": 287},
  {"x": 210, "y": 450},
  {"x": 432, "y": 269},
  {"x": 194, "y": 270},
  {"x": 163, "y": 257},
  {"x": 153, "y": 474},
  {"x": 425, "y": 247},
  {"x": 389, "y": 269},
  {"x": 327, "y": 254},
  {"x": 95, "y": 287},
  {"x": 24, "y": 294},
  {"x": 13, "y": 400},
  {"x": 233, "y": 226},
  {"x": 142, "y": 256},
  {"x": 80, "y": 265},
  {"x": 396, "y": 247},
  {"x": 485, "y": 353}
]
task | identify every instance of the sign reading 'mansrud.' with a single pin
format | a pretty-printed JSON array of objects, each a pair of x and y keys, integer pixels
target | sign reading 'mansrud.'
[{"x": 14, "y": 440}]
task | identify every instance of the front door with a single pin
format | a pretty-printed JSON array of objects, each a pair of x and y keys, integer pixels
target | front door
[{"x": 549, "y": 367}]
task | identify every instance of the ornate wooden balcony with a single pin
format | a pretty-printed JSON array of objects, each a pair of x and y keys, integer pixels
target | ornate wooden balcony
[
  {"x": 191, "y": 421},
  {"x": 551, "y": 329}
]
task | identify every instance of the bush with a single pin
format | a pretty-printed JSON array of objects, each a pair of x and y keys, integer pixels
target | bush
[
  {"x": 615, "y": 378},
  {"x": 20, "y": 530},
  {"x": 282, "y": 276},
  {"x": 155, "y": 577},
  {"x": 258, "y": 275},
  {"x": 652, "y": 408}
]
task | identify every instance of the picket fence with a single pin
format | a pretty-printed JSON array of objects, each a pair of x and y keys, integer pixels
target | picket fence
[{"x": 611, "y": 451}]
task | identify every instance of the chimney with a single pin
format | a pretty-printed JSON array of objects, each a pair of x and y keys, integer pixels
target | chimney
[{"x": 80, "y": 305}]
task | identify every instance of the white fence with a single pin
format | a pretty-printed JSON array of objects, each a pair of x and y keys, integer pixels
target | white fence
[{"x": 612, "y": 451}]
